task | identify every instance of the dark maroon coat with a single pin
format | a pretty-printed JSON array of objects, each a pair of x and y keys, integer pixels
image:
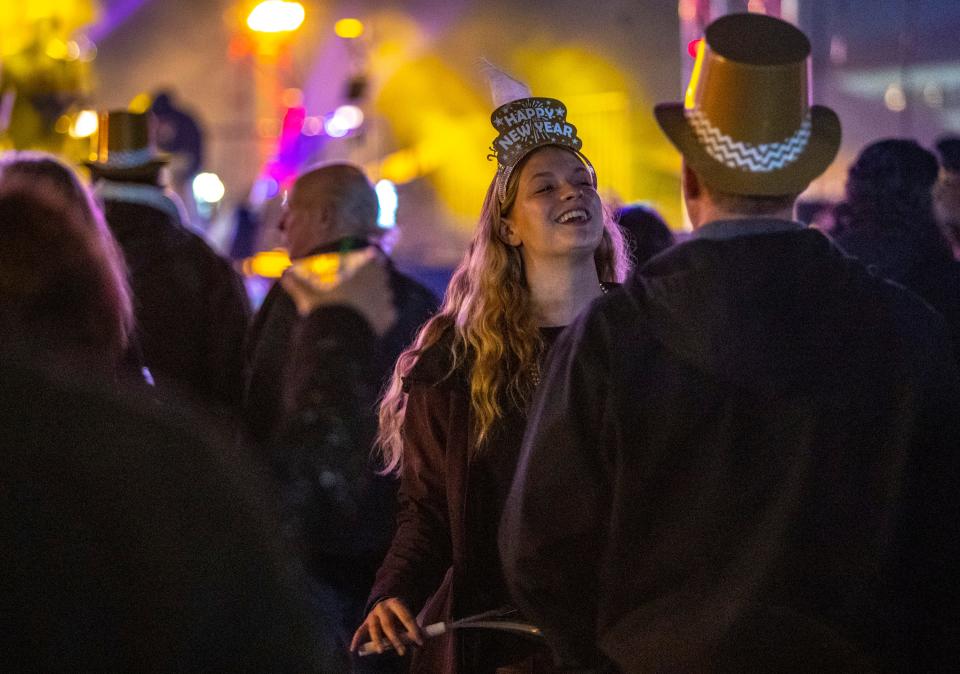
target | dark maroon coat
[
  {"x": 428, "y": 555},
  {"x": 432, "y": 565}
]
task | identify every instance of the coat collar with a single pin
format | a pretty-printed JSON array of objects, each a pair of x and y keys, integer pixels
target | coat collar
[{"x": 719, "y": 230}]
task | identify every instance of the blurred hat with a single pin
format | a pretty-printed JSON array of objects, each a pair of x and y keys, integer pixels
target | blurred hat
[
  {"x": 948, "y": 147},
  {"x": 891, "y": 170},
  {"x": 746, "y": 124},
  {"x": 125, "y": 146},
  {"x": 525, "y": 123}
]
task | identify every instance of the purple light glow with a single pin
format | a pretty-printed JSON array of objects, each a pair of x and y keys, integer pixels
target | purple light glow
[{"x": 113, "y": 15}]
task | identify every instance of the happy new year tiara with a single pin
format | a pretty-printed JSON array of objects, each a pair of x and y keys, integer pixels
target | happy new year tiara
[{"x": 525, "y": 123}]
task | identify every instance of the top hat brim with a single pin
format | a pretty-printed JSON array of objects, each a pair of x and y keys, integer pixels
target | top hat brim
[
  {"x": 117, "y": 172},
  {"x": 794, "y": 178}
]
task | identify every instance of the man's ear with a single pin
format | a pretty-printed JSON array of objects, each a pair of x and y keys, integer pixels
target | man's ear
[
  {"x": 693, "y": 194},
  {"x": 507, "y": 233},
  {"x": 692, "y": 187}
]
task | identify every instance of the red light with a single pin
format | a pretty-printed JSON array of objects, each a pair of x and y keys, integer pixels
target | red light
[{"x": 692, "y": 47}]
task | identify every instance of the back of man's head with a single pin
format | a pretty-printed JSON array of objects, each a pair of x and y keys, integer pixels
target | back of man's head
[
  {"x": 344, "y": 195},
  {"x": 752, "y": 205}
]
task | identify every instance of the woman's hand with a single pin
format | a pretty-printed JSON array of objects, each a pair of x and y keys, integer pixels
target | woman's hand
[{"x": 391, "y": 619}]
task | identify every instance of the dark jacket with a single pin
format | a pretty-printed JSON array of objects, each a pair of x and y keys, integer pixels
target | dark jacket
[
  {"x": 268, "y": 344},
  {"x": 136, "y": 537},
  {"x": 191, "y": 308},
  {"x": 923, "y": 265},
  {"x": 312, "y": 400},
  {"x": 744, "y": 461}
]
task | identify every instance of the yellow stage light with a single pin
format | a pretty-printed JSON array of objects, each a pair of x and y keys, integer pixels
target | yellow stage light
[
  {"x": 348, "y": 28},
  {"x": 400, "y": 167},
  {"x": 140, "y": 103},
  {"x": 57, "y": 49},
  {"x": 268, "y": 263},
  {"x": 85, "y": 125},
  {"x": 63, "y": 124},
  {"x": 276, "y": 16}
]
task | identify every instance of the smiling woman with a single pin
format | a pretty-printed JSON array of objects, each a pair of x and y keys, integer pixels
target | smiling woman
[{"x": 452, "y": 419}]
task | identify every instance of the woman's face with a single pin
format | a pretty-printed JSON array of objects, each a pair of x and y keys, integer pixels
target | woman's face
[{"x": 557, "y": 211}]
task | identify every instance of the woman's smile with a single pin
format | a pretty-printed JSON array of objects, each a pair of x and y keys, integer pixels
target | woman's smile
[{"x": 573, "y": 216}]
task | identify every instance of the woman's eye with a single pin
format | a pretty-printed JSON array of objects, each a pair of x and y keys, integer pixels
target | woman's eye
[{"x": 544, "y": 188}]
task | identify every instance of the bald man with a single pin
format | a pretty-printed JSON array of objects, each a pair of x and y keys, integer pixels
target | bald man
[{"x": 317, "y": 358}]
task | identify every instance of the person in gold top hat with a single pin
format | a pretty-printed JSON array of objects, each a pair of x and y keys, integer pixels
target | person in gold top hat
[
  {"x": 746, "y": 459},
  {"x": 191, "y": 307}
]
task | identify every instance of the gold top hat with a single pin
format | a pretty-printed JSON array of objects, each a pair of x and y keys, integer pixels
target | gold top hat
[
  {"x": 125, "y": 144},
  {"x": 746, "y": 124}
]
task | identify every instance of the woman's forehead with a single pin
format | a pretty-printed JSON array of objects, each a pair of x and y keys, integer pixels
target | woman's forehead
[{"x": 551, "y": 160}]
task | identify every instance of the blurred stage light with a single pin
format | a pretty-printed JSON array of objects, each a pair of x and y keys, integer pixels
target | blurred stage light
[
  {"x": 312, "y": 126},
  {"x": 334, "y": 128},
  {"x": 208, "y": 188},
  {"x": 387, "y": 198},
  {"x": 268, "y": 128},
  {"x": 88, "y": 49},
  {"x": 263, "y": 189},
  {"x": 276, "y": 16},
  {"x": 57, "y": 49},
  {"x": 349, "y": 116},
  {"x": 267, "y": 263},
  {"x": 140, "y": 103},
  {"x": 687, "y": 10},
  {"x": 63, "y": 124},
  {"x": 344, "y": 119},
  {"x": 348, "y": 28},
  {"x": 401, "y": 166},
  {"x": 894, "y": 98},
  {"x": 85, "y": 125},
  {"x": 292, "y": 98},
  {"x": 933, "y": 95}
]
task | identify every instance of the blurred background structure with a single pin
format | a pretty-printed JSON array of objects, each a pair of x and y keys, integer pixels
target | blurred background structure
[{"x": 248, "y": 92}]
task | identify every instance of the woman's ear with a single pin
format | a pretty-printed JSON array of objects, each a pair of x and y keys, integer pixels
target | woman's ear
[{"x": 507, "y": 233}]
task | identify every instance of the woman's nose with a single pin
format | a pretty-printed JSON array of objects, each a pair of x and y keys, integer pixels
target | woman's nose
[{"x": 572, "y": 191}]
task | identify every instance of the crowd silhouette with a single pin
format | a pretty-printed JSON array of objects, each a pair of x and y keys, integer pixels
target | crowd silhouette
[{"x": 735, "y": 452}]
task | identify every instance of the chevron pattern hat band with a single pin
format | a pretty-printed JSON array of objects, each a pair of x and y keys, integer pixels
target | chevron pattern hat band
[
  {"x": 759, "y": 158},
  {"x": 746, "y": 124}
]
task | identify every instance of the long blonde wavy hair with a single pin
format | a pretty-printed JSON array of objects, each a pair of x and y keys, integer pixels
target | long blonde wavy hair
[{"x": 488, "y": 307}]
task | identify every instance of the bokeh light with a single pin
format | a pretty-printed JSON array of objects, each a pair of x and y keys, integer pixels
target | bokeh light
[
  {"x": 276, "y": 16},
  {"x": 208, "y": 188},
  {"x": 85, "y": 124},
  {"x": 388, "y": 200},
  {"x": 312, "y": 126},
  {"x": 348, "y": 28},
  {"x": 894, "y": 98},
  {"x": 140, "y": 103}
]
